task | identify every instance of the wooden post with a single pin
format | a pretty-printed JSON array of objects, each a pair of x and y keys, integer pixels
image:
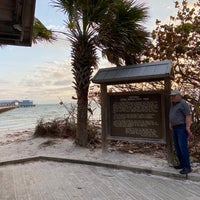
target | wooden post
[
  {"x": 170, "y": 152},
  {"x": 104, "y": 115}
]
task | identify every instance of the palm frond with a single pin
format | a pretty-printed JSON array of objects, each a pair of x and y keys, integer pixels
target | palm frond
[{"x": 41, "y": 33}]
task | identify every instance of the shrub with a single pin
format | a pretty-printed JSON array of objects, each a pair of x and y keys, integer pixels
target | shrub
[{"x": 55, "y": 128}]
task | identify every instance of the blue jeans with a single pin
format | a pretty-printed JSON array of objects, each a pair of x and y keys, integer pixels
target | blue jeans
[{"x": 180, "y": 137}]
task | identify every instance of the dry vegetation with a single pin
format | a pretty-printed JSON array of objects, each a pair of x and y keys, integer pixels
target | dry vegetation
[{"x": 64, "y": 128}]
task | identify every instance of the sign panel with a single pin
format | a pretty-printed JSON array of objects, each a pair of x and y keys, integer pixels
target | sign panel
[{"x": 136, "y": 116}]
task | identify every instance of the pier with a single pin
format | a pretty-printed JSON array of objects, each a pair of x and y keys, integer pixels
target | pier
[
  {"x": 6, "y": 105},
  {"x": 7, "y": 108}
]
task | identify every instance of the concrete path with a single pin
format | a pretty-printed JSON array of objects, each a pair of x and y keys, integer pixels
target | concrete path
[
  {"x": 66, "y": 181},
  {"x": 44, "y": 169}
]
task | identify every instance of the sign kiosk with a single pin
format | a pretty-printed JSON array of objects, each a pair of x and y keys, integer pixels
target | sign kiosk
[{"x": 136, "y": 116}]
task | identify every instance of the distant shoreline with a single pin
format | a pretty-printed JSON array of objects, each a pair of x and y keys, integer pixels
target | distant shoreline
[{"x": 7, "y": 108}]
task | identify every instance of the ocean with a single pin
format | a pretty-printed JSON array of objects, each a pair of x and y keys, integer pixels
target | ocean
[{"x": 26, "y": 118}]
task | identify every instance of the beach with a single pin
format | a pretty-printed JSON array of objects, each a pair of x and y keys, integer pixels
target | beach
[{"x": 24, "y": 144}]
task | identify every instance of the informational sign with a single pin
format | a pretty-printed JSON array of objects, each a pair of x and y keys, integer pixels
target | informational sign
[{"x": 138, "y": 116}]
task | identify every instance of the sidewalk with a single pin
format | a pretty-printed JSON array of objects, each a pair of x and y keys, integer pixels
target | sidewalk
[
  {"x": 47, "y": 180},
  {"x": 57, "y": 169},
  {"x": 64, "y": 150}
]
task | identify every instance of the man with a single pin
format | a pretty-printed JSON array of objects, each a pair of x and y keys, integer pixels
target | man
[{"x": 180, "y": 120}]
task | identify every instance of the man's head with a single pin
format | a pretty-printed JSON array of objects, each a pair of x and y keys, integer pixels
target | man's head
[{"x": 175, "y": 96}]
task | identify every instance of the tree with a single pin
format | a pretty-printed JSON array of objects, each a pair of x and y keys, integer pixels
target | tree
[
  {"x": 41, "y": 33},
  {"x": 99, "y": 24},
  {"x": 121, "y": 36},
  {"x": 179, "y": 41}
]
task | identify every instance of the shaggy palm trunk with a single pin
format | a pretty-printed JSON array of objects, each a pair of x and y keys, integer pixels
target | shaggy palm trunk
[
  {"x": 83, "y": 60},
  {"x": 82, "y": 133}
]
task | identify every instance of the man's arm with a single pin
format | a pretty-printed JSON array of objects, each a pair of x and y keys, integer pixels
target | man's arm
[
  {"x": 170, "y": 126},
  {"x": 188, "y": 124}
]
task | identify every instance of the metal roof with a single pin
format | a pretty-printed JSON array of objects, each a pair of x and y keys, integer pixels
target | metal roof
[
  {"x": 153, "y": 71},
  {"x": 16, "y": 22}
]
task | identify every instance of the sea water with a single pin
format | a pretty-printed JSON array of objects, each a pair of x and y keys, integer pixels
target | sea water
[{"x": 26, "y": 118}]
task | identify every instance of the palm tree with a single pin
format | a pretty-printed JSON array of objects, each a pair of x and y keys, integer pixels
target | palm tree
[
  {"x": 41, "y": 33},
  {"x": 111, "y": 25},
  {"x": 122, "y": 38}
]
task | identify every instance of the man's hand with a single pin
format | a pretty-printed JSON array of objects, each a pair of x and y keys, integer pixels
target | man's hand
[
  {"x": 189, "y": 131},
  {"x": 170, "y": 126}
]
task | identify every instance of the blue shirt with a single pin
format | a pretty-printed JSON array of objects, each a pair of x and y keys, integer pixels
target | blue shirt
[{"x": 178, "y": 112}]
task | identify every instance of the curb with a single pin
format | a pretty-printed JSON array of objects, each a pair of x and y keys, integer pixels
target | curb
[{"x": 135, "y": 169}]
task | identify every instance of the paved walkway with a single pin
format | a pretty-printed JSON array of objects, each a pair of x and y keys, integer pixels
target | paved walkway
[
  {"x": 43, "y": 169},
  {"x": 66, "y": 181}
]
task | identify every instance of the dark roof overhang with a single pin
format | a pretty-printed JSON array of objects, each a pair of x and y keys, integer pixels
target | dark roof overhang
[{"x": 16, "y": 22}]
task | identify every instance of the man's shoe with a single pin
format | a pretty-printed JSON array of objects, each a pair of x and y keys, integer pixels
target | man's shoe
[
  {"x": 185, "y": 171},
  {"x": 178, "y": 167}
]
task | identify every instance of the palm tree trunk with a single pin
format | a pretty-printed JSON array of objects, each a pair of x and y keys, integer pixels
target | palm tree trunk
[{"x": 82, "y": 133}]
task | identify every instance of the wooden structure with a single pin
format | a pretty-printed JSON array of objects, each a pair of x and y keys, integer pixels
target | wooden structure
[
  {"x": 26, "y": 103},
  {"x": 148, "y": 72},
  {"x": 16, "y": 22}
]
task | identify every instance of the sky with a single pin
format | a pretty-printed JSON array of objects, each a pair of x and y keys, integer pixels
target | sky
[{"x": 42, "y": 72}]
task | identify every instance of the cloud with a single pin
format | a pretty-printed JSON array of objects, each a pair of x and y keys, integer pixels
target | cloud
[
  {"x": 48, "y": 81},
  {"x": 3, "y": 82},
  {"x": 56, "y": 27},
  {"x": 61, "y": 83}
]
